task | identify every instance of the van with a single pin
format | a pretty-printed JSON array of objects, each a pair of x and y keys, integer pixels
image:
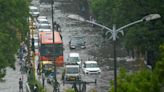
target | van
[
  {"x": 74, "y": 58},
  {"x": 71, "y": 73}
]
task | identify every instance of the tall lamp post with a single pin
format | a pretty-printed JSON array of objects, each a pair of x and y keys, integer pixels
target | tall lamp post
[
  {"x": 114, "y": 31},
  {"x": 53, "y": 58}
]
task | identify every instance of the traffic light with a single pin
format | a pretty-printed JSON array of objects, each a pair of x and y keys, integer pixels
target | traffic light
[{"x": 33, "y": 47}]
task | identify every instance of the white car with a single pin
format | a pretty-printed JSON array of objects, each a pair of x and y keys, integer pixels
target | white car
[
  {"x": 91, "y": 67},
  {"x": 42, "y": 17},
  {"x": 34, "y": 11},
  {"x": 44, "y": 28},
  {"x": 74, "y": 58},
  {"x": 42, "y": 21}
]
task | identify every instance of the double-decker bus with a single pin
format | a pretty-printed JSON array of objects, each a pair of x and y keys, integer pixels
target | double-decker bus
[{"x": 49, "y": 50}]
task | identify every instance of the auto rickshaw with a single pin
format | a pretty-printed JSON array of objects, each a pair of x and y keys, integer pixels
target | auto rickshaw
[{"x": 47, "y": 67}]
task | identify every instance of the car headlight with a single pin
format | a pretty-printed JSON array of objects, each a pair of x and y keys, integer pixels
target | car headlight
[{"x": 83, "y": 46}]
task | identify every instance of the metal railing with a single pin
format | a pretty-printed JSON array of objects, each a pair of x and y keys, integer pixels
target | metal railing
[{"x": 27, "y": 87}]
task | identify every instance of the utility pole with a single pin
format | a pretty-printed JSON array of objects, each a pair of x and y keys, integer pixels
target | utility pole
[{"x": 53, "y": 57}]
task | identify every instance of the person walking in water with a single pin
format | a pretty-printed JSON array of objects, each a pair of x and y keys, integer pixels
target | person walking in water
[
  {"x": 20, "y": 85},
  {"x": 57, "y": 26}
]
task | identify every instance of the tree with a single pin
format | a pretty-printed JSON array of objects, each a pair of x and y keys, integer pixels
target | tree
[
  {"x": 13, "y": 16},
  {"x": 143, "y": 37},
  {"x": 159, "y": 69},
  {"x": 143, "y": 80},
  {"x": 139, "y": 81}
]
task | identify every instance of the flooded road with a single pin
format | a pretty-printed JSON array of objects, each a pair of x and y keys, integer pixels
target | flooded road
[
  {"x": 97, "y": 48},
  {"x": 70, "y": 28}
]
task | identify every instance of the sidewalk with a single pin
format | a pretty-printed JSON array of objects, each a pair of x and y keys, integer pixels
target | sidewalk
[{"x": 11, "y": 83}]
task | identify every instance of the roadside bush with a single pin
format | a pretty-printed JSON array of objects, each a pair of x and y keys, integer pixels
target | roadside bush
[
  {"x": 69, "y": 90},
  {"x": 139, "y": 81},
  {"x": 32, "y": 82}
]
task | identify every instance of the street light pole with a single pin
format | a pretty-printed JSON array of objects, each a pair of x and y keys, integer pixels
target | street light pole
[
  {"x": 115, "y": 60},
  {"x": 114, "y": 33},
  {"x": 53, "y": 37}
]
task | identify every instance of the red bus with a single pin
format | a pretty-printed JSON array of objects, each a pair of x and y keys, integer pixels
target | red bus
[{"x": 49, "y": 50}]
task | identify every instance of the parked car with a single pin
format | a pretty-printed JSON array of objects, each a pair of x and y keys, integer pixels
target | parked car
[
  {"x": 77, "y": 42},
  {"x": 36, "y": 42},
  {"x": 90, "y": 67},
  {"x": 73, "y": 58},
  {"x": 33, "y": 11},
  {"x": 44, "y": 27},
  {"x": 50, "y": 77}
]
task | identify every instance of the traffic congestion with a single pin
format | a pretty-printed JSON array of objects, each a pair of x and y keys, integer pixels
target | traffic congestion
[
  {"x": 81, "y": 46},
  {"x": 55, "y": 60}
]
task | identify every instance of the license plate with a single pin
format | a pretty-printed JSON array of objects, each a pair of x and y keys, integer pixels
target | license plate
[{"x": 72, "y": 78}]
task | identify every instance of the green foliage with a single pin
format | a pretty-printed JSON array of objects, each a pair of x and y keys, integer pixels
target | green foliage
[
  {"x": 13, "y": 16},
  {"x": 144, "y": 80},
  {"x": 33, "y": 81},
  {"x": 143, "y": 36},
  {"x": 140, "y": 81},
  {"x": 106, "y": 11},
  {"x": 70, "y": 90},
  {"x": 159, "y": 69}
]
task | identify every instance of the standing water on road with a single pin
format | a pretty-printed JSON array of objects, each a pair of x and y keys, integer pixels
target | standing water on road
[{"x": 70, "y": 28}]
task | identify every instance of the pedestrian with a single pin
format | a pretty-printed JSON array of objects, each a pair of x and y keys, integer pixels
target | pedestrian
[
  {"x": 56, "y": 86},
  {"x": 43, "y": 79},
  {"x": 20, "y": 57},
  {"x": 38, "y": 69},
  {"x": 28, "y": 68},
  {"x": 20, "y": 85},
  {"x": 84, "y": 87},
  {"x": 75, "y": 87},
  {"x": 58, "y": 28},
  {"x": 61, "y": 36},
  {"x": 54, "y": 24}
]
